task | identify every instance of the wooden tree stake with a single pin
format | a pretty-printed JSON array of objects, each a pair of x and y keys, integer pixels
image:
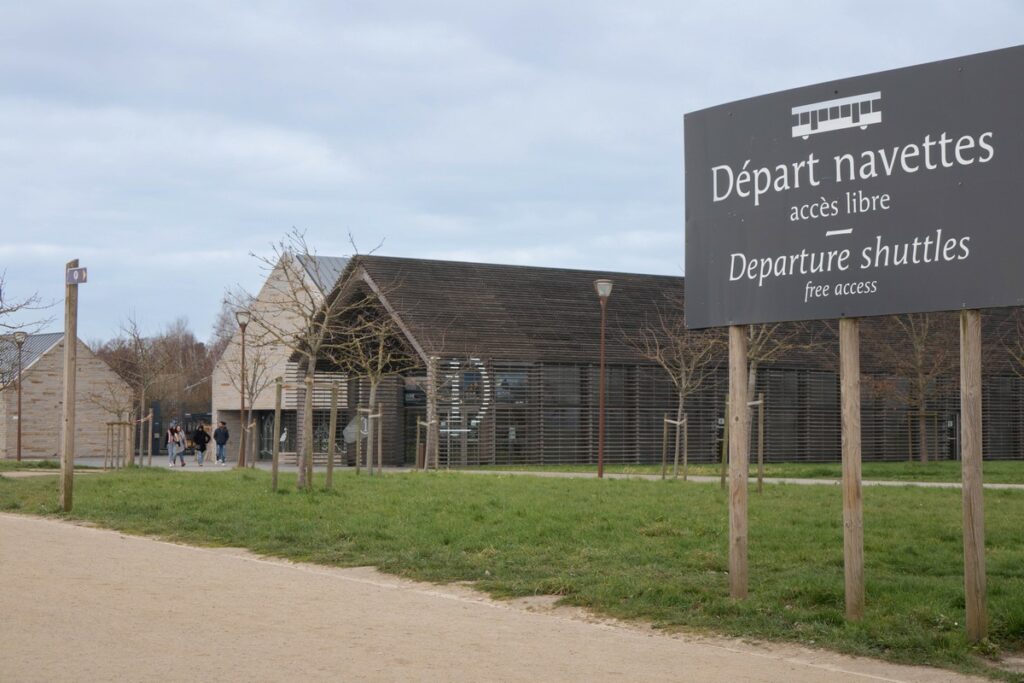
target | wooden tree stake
[
  {"x": 760, "y": 442},
  {"x": 725, "y": 445},
  {"x": 664, "y": 446},
  {"x": 333, "y": 425},
  {"x": 276, "y": 447}
]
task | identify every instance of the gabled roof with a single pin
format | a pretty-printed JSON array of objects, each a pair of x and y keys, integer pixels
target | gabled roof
[
  {"x": 515, "y": 312},
  {"x": 35, "y": 346},
  {"x": 323, "y": 270}
]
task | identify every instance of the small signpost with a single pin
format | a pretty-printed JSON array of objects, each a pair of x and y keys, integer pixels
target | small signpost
[
  {"x": 882, "y": 194},
  {"x": 76, "y": 276},
  {"x": 73, "y": 276}
]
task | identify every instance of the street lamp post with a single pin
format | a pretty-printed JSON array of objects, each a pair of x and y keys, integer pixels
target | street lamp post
[
  {"x": 19, "y": 341},
  {"x": 242, "y": 316},
  {"x": 604, "y": 290}
]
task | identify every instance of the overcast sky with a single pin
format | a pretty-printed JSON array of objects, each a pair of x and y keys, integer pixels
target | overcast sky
[{"x": 160, "y": 143}]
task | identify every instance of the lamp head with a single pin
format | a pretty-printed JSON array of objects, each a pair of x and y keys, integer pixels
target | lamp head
[
  {"x": 19, "y": 338},
  {"x": 242, "y": 316},
  {"x": 603, "y": 288}
]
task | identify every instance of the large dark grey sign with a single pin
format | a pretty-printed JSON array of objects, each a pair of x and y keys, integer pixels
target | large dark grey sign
[{"x": 895, "y": 192}]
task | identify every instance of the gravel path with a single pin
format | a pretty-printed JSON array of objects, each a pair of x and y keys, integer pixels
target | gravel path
[{"x": 80, "y": 603}]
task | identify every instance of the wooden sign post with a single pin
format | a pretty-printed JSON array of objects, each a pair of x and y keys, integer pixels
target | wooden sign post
[
  {"x": 72, "y": 276},
  {"x": 747, "y": 265},
  {"x": 853, "y": 515},
  {"x": 973, "y": 501},
  {"x": 739, "y": 443}
]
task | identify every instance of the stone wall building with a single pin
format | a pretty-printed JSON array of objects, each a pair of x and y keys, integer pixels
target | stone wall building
[{"x": 99, "y": 390}]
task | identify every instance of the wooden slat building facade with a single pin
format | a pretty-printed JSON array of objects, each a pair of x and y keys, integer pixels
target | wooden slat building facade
[{"x": 511, "y": 352}]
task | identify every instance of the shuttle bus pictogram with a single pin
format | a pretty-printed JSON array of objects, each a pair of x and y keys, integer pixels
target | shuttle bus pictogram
[{"x": 845, "y": 112}]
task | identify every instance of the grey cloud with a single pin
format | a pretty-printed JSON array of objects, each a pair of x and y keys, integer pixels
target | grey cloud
[{"x": 164, "y": 141}]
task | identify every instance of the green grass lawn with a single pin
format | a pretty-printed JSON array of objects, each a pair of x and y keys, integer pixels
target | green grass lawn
[
  {"x": 995, "y": 471},
  {"x": 654, "y": 551},
  {"x": 7, "y": 465},
  {"x": 11, "y": 465}
]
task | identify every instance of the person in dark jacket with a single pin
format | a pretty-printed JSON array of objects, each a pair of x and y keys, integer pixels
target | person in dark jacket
[
  {"x": 220, "y": 437},
  {"x": 199, "y": 439}
]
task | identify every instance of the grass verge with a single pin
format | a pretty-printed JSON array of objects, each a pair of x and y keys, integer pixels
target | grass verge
[
  {"x": 995, "y": 471},
  {"x": 13, "y": 465},
  {"x": 630, "y": 549}
]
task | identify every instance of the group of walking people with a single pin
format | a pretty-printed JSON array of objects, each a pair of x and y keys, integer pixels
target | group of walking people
[{"x": 176, "y": 439}]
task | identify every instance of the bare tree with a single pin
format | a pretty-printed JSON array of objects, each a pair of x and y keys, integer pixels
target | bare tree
[
  {"x": 113, "y": 399},
  {"x": 258, "y": 377},
  {"x": 370, "y": 345},
  {"x": 9, "y": 306},
  {"x": 138, "y": 359},
  {"x": 919, "y": 348},
  {"x": 292, "y": 314},
  {"x": 1012, "y": 342},
  {"x": 185, "y": 383},
  {"x": 767, "y": 342},
  {"x": 689, "y": 357}
]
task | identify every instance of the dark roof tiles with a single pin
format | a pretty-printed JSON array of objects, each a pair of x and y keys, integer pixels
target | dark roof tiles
[{"x": 35, "y": 346}]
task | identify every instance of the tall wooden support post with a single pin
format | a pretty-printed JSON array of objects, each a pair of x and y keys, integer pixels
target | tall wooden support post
[
  {"x": 276, "y": 447},
  {"x": 241, "y": 403},
  {"x": 331, "y": 440},
  {"x": 973, "y": 502},
  {"x": 19, "y": 340},
  {"x": 67, "y": 451},
  {"x": 739, "y": 444},
  {"x": 853, "y": 509}
]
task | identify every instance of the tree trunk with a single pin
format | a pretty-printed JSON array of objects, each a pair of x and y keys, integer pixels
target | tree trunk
[
  {"x": 304, "y": 481},
  {"x": 370, "y": 430}
]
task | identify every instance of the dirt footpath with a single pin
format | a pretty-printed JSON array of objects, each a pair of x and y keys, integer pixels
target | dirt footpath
[{"x": 87, "y": 604}]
